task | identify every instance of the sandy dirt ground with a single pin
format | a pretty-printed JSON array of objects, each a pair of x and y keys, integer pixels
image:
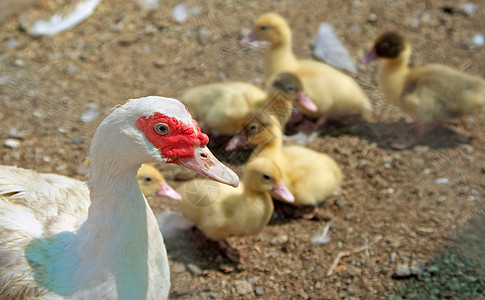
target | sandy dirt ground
[{"x": 407, "y": 224}]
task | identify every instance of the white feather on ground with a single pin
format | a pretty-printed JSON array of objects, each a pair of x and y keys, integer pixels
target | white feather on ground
[
  {"x": 330, "y": 49},
  {"x": 62, "y": 21},
  {"x": 322, "y": 238}
]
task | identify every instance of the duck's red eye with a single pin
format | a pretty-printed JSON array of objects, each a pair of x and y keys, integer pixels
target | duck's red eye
[{"x": 161, "y": 128}]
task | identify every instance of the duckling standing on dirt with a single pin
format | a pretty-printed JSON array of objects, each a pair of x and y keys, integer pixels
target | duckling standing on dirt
[
  {"x": 431, "y": 93},
  {"x": 310, "y": 176},
  {"x": 334, "y": 93}
]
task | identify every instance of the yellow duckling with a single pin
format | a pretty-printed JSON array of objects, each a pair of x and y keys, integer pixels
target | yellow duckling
[
  {"x": 334, "y": 93},
  {"x": 220, "y": 211},
  {"x": 310, "y": 176},
  {"x": 220, "y": 107},
  {"x": 284, "y": 92},
  {"x": 152, "y": 182},
  {"x": 431, "y": 93}
]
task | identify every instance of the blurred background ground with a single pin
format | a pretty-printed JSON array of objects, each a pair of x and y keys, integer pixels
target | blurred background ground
[{"x": 412, "y": 220}]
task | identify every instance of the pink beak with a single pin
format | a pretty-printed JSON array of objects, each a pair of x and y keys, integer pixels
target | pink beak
[
  {"x": 281, "y": 190},
  {"x": 236, "y": 142},
  {"x": 248, "y": 38},
  {"x": 166, "y": 191},
  {"x": 306, "y": 102},
  {"x": 372, "y": 55},
  {"x": 205, "y": 163}
]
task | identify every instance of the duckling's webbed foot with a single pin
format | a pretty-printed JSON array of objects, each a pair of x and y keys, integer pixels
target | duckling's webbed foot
[
  {"x": 231, "y": 253},
  {"x": 321, "y": 121}
]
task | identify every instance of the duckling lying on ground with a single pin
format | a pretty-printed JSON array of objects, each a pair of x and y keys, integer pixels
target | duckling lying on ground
[
  {"x": 220, "y": 212},
  {"x": 285, "y": 92},
  {"x": 220, "y": 107},
  {"x": 334, "y": 93},
  {"x": 310, "y": 176},
  {"x": 431, "y": 93}
]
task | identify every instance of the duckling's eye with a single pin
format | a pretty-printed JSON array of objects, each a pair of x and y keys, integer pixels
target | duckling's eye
[
  {"x": 162, "y": 128},
  {"x": 147, "y": 179},
  {"x": 266, "y": 177},
  {"x": 384, "y": 45},
  {"x": 252, "y": 127},
  {"x": 290, "y": 88},
  {"x": 263, "y": 27}
]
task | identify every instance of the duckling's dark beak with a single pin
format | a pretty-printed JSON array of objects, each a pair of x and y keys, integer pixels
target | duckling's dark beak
[
  {"x": 235, "y": 142},
  {"x": 372, "y": 55},
  {"x": 248, "y": 38},
  {"x": 205, "y": 163}
]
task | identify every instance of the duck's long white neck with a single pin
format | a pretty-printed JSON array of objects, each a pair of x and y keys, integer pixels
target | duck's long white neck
[
  {"x": 119, "y": 242},
  {"x": 280, "y": 57},
  {"x": 121, "y": 236}
]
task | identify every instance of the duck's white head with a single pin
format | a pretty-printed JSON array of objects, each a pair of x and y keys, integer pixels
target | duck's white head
[{"x": 155, "y": 129}]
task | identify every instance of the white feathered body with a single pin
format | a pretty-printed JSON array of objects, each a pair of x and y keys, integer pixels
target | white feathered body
[{"x": 61, "y": 238}]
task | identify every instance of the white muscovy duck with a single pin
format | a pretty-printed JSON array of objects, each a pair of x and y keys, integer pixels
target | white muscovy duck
[{"x": 61, "y": 238}]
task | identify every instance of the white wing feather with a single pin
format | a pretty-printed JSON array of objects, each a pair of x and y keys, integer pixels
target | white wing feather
[
  {"x": 331, "y": 50},
  {"x": 63, "y": 21}
]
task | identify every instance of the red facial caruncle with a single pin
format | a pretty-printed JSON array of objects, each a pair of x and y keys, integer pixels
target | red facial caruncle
[{"x": 174, "y": 138}]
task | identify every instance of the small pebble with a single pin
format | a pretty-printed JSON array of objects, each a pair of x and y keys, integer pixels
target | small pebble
[
  {"x": 243, "y": 287},
  {"x": 149, "y": 29},
  {"x": 128, "y": 39},
  {"x": 253, "y": 280},
  {"x": 160, "y": 62},
  {"x": 12, "y": 43},
  {"x": 354, "y": 271},
  {"x": 372, "y": 18},
  {"x": 349, "y": 216},
  {"x": 203, "y": 35},
  {"x": 393, "y": 256},
  {"x": 226, "y": 269},
  {"x": 442, "y": 180},
  {"x": 16, "y": 134},
  {"x": 148, "y": 4},
  {"x": 469, "y": 8},
  {"x": 12, "y": 143},
  {"x": 178, "y": 268},
  {"x": 195, "y": 270},
  {"x": 478, "y": 40},
  {"x": 91, "y": 114},
  {"x": 468, "y": 149},
  {"x": 433, "y": 269},
  {"x": 279, "y": 240},
  {"x": 259, "y": 291},
  {"x": 402, "y": 271},
  {"x": 179, "y": 13},
  {"x": 339, "y": 202}
]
